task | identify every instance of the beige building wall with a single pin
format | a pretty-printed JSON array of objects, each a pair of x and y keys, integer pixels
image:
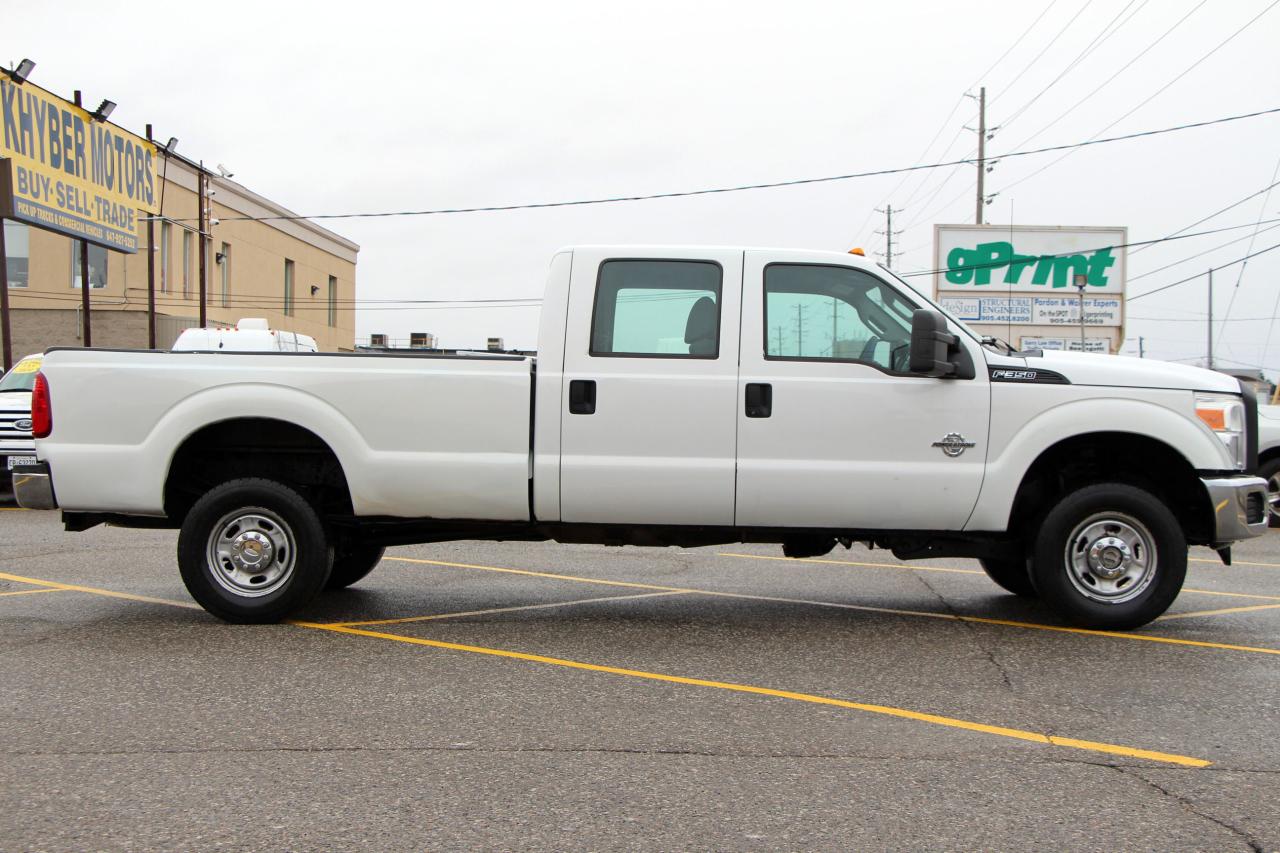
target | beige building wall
[{"x": 47, "y": 313}]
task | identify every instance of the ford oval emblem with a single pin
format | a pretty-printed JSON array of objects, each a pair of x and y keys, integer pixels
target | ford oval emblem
[{"x": 24, "y": 424}]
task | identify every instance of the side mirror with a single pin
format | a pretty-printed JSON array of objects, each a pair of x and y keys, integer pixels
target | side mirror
[{"x": 931, "y": 344}]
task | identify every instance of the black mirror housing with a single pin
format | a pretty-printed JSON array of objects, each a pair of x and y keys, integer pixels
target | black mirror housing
[{"x": 934, "y": 350}]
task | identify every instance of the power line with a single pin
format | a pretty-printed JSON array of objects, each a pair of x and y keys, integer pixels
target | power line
[
  {"x": 1044, "y": 51},
  {"x": 758, "y": 186},
  {"x": 1121, "y": 70},
  {"x": 1218, "y": 213},
  {"x": 1131, "y": 279},
  {"x": 1211, "y": 269},
  {"x": 1153, "y": 95}
]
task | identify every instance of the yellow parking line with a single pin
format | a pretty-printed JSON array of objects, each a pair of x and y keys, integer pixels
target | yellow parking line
[
  {"x": 14, "y": 509},
  {"x": 886, "y": 710},
  {"x": 495, "y": 610},
  {"x": 30, "y": 592},
  {"x": 1008, "y": 623},
  {"x": 1234, "y": 563},
  {"x": 95, "y": 591},
  {"x": 1217, "y": 612},
  {"x": 957, "y": 571}
]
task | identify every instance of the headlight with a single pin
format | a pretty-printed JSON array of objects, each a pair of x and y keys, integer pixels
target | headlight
[{"x": 1224, "y": 414}]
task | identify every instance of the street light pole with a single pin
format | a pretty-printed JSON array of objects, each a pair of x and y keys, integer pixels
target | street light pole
[
  {"x": 4, "y": 300},
  {"x": 1080, "y": 283}
]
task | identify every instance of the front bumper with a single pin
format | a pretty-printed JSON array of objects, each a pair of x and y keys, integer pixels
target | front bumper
[
  {"x": 33, "y": 486},
  {"x": 1239, "y": 507}
]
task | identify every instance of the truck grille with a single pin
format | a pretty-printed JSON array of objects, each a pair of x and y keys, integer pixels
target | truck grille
[{"x": 9, "y": 425}]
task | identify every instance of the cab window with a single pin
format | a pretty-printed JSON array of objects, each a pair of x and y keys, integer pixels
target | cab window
[
  {"x": 830, "y": 313},
  {"x": 657, "y": 309}
]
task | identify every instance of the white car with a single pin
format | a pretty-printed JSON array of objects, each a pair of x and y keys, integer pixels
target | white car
[
  {"x": 252, "y": 334},
  {"x": 16, "y": 444},
  {"x": 680, "y": 396},
  {"x": 1269, "y": 457}
]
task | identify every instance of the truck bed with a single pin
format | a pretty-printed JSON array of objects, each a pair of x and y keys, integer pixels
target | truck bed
[{"x": 417, "y": 436}]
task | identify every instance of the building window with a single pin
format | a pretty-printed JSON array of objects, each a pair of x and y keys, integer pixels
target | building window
[
  {"x": 659, "y": 308},
  {"x": 166, "y": 237},
  {"x": 17, "y": 250},
  {"x": 288, "y": 287},
  {"x": 224, "y": 260},
  {"x": 333, "y": 300},
  {"x": 97, "y": 265},
  {"x": 186, "y": 264}
]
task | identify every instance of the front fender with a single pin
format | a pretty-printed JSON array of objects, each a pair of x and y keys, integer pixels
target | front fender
[{"x": 1015, "y": 448}]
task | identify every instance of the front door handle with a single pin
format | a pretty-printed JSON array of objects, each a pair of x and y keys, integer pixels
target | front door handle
[
  {"x": 582, "y": 396},
  {"x": 759, "y": 399}
]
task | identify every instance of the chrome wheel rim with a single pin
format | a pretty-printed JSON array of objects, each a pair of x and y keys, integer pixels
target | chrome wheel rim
[
  {"x": 251, "y": 552},
  {"x": 1111, "y": 558},
  {"x": 1273, "y": 496}
]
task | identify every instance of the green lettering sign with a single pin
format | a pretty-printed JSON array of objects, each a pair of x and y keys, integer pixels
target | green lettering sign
[{"x": 978, "y": 265}]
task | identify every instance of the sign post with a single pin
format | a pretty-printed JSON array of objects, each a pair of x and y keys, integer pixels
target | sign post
[{"x": 4, "y": 298}]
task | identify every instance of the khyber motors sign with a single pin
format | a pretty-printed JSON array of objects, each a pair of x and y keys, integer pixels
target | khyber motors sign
[{"x": 69, "y": 173}]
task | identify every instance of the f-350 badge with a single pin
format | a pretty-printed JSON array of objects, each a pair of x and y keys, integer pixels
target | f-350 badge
[{"x": 953, "y": 444}]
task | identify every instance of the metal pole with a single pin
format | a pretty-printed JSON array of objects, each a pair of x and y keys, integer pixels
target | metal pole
[
  {"x": 201, "y": 243},
  {"x": 87, "y": 321},
  {"x": 151, "y": 275},
  {"x": 4, "y": 300},
  {"x": 888, "y": 236},
  {"x": 1142, "y": 350},
  {"x": 1210, "y": 358},
  {"x": 84, "y": 292},
  {"x": 982, "y": 149},
  {"x": 1082, "y": 343}
]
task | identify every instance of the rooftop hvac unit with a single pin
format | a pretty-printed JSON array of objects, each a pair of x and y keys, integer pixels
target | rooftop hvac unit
[
  {"x": 377, "y": 340},
  {"x": 496, "y": 345},
  {"x": 422, "y": 340}
]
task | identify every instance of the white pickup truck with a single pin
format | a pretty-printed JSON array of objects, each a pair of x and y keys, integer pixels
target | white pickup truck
[{"x": 680, "y": 396}]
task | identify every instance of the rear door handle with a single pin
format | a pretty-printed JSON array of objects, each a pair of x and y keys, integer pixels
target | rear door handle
[
  {"x": 582, "y": 396},
  {"x": 759, "y": 400}
]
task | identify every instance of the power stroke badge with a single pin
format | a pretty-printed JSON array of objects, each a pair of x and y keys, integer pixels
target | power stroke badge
[{"x": 953, "y": 444}]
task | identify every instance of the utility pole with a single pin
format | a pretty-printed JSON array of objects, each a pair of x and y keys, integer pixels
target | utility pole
[
  {"x": 4, "y": 300},
  {"x": 1210, "y": 358},
  {"x": 779, "y": 350},
  {"x": 151, "y": 274},
  {"x": 800, "y": 330},
  {"x": 982, "y": 151},
  {"x": 84, "y": 277},
  {"x": 203, "y": 248},
  {"x": 835, "y": 329},
  {"x": 1142, "y": 350},
  {"x": 888, "y": 233}
]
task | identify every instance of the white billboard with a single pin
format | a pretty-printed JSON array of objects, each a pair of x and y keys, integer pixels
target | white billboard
[{"x": 1039, "y": 259}]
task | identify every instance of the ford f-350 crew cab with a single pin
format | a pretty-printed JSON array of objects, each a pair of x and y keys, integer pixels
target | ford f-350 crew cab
[{"x": 680, "y": 396}]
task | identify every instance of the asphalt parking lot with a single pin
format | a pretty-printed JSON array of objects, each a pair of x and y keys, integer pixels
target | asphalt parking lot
[{"x": 516, "y": 696}]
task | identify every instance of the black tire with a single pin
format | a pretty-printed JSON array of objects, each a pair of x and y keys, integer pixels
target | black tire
[
  {"x": 1270, "y": 471},
  {"x": 1101, "y": 529},
  {"x": 253, "y": 551},
  {"x": 352, "y": 564},
  {"x": 1011, "y": 575}
]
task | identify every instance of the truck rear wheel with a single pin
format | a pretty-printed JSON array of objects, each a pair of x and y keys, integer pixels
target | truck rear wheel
[
  {"x": 1270, "y": 471},
  {"x": 1011, "y": 575},
  {"x": 352, "y": 563},
  {"x": 1109, "y": 556},
  {"x": 253, "y": 551}
]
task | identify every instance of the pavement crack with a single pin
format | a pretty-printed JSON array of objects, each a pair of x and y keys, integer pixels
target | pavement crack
[
  {"x": 1190, "y": 807},
  {"x": 972, "y": 630}
]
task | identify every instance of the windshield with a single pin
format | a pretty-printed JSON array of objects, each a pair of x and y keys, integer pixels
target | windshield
[
  {"x": 957, "y": 321},
  {"x": 22, "y": 377}
]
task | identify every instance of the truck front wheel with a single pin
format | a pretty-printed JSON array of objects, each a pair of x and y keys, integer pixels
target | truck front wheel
[
  {"x": 253, "y": 551},
  {"x": 1109, "y": 556}
]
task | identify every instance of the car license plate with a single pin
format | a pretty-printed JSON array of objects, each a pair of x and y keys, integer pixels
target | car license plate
[{"x": 21, "y": 460}]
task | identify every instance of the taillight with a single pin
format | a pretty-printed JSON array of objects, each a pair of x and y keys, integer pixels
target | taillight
[{"x": 41, "y": 411}]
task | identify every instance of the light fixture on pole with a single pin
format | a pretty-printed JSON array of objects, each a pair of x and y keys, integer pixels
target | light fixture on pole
[
  {"x": 1080, "y": 281},
  {"x": 171, "y": 145},
  {"x": 23, "y": 71},
  {"x": 105, "y": 109}
]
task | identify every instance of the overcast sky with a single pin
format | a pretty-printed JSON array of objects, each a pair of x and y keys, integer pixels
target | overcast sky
[{"x": 343, "y": 108}]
